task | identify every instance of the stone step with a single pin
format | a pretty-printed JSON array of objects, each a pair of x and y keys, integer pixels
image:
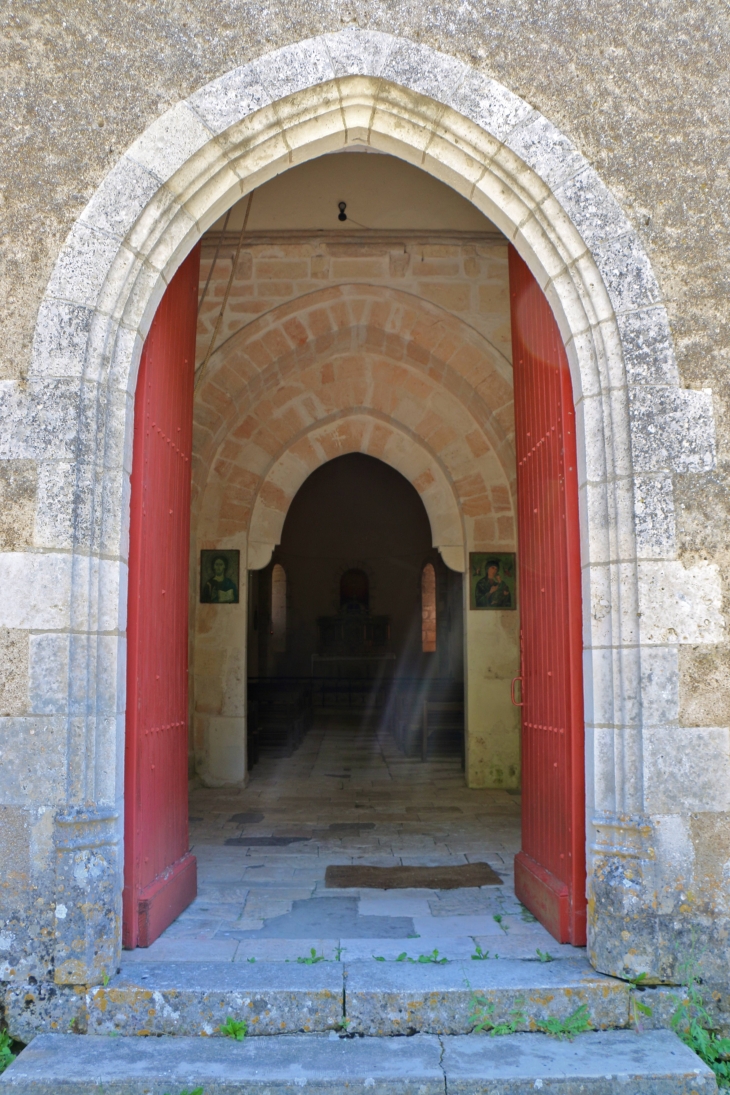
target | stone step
[
  {"x": 375, "y": 998},
  {"x": 191, "y": 998},
  {"x": 386, "y": 998},
  {"x": 597, "y": 1063}
]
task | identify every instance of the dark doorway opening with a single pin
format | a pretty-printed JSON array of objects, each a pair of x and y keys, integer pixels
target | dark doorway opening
[{"x": 357, "y": 613}]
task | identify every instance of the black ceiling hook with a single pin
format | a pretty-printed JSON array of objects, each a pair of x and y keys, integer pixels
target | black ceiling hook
[{"x": 342, "y": 215}]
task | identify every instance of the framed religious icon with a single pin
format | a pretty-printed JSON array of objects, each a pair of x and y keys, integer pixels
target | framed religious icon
[
  {"x": 492, "y": 580},
  {"x": 219, "y": 576}
]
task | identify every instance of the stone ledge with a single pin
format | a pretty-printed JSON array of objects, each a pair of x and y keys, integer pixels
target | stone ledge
[
  {"x": 387, "y": 998},
  {"x": 654, "y": 1063},
  {"x": 274, "y": 998},
  {"x": 195, "y": 998}
]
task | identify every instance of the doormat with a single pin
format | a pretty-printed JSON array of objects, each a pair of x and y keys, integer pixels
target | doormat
[
  {"x": 264, "y": 841},
  {"x": 407, "y": 878}
]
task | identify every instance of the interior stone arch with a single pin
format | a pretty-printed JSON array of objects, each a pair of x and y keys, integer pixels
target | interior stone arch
[
  {"x": 348, "y": 350},
  {"x": 356, "y": 432}
]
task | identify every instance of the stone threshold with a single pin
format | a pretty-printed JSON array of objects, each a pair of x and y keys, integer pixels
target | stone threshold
[
  {"x": 367, "y": 997},
  {"x": 599, "y": 1063}
]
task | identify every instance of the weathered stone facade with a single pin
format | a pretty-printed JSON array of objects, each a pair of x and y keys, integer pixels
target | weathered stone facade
[{"x": 129, "y": 133}]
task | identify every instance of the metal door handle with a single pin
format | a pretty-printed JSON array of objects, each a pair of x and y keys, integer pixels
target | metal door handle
[{"x": 512, "y": 691}]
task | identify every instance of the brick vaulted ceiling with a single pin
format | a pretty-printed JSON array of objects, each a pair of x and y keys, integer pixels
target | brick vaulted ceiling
[{"x": 356, "y": 368}]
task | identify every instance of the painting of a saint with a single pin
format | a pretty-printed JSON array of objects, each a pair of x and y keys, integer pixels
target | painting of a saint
[
  {"x": 492, "y": 580},
  {"x": 219, "y": 577}
]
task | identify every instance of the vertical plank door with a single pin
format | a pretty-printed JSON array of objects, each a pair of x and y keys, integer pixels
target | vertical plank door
[
  {"x": 550, "y": 872},
  {"x": 160, "y": 877}
]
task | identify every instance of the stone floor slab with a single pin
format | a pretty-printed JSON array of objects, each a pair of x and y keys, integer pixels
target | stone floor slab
[
  {"x": 317, "y": 1064},
  {"x": 287, "y": 950},
  {"x": 454, "y": 948},
  {"x": 170, "y": 949},
  {"x": 597, "y": 1063}
]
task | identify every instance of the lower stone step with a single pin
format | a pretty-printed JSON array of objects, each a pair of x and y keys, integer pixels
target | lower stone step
[{"x": 597, "y": 1063}]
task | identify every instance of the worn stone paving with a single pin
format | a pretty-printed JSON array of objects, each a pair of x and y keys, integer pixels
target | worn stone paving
[
  {"x": 600, "y": 1062},
  {"x": 349, "y": 796}
]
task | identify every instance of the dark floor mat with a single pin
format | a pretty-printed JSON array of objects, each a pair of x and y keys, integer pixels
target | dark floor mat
[
  {"x": 327, "y": 918},
  {"x": 406, "y": 878},
  {"x": 264, "y": 841}
]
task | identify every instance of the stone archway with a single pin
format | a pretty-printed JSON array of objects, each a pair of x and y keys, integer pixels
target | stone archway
[
  {"x": 356, "y": 369},
  {"x": 636, "y": 426}
]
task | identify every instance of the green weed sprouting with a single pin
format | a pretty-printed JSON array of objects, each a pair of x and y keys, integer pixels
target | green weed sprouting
[
  {"x": 311, "y": 959},
  {"x": 197, "y": 1091},
  {"x": 694, "y": 1025},
  {"x": 479, "y": 955},
  {"x": 433, "y": 958},
  {"x": 500, "y": 920},
  {"x": 578, "y": 1022},
  {"x": 6, "y": 1050},
  {"x": 639, "y": 1009},
  {"x": 544, "y": 956},
  {"x": 234, "y": 1028},
  {"x": 482, "y": 1012}
]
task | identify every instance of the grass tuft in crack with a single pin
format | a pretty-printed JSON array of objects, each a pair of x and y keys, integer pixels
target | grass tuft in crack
[
  {"x": 578, "y": 1022},
  {"x": 695, "y": 1026},
  {"x": 234, "y": 1028},
  {"x": 311, "y": 959},
  {"x": 7, "y": 1056},
  {"x": 433, "y": 958},
  {"x": 482, "y": 1018},
  {"x": 639, "y": 1010}
]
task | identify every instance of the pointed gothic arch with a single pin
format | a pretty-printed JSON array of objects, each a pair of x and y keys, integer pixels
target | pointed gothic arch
[{"x": 492, "y": 147}]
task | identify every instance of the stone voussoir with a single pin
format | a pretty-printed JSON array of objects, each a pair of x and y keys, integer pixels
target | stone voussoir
[
  {"x": 192, "y": 998},
  {"x": 387, "y": 998}
]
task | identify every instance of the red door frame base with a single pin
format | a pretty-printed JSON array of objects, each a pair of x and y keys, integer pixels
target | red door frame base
[
  {"x": 544, "y": 895},
  {"x": 165, "y": 898}
]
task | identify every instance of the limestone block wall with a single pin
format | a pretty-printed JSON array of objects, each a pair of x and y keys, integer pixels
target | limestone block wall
[{"x": 397, "y": 346}]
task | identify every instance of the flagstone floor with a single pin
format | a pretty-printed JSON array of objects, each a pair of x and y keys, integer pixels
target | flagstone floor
[{"x": 349, "y": 796}]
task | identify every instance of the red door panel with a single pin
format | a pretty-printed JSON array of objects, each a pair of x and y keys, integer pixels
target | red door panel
[
  {"x": 550, "y": 870},
  {"x": 159, "y": 870}
]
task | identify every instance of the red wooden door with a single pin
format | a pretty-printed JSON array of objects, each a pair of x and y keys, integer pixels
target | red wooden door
[
  {"x": 159, "y": 871},
  {"x": 550, "y": 870}
]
